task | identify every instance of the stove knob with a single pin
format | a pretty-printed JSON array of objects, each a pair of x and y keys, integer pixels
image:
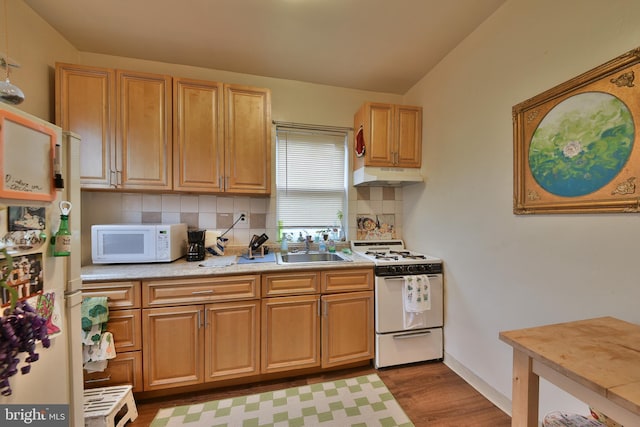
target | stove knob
[
  {"x": 396, "y": 269},
  {"x": 411, "y": 269}
]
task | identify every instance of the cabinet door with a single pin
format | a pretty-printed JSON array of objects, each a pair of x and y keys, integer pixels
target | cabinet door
[
  {"x": 193, "y": 291},
  {"x": 119, "y": 294},
  {"x": 356, "y": 279},
  {"x": 232, "y": 340},
  {"x": 144, "y": 131},
  {"x": 298, "y": 283},
  {"x": 379, "y": 148},
  {"x": 408, "y": 135},
  {"x": 290, "y": 333},
  {"x": 198, "y": 142},
  {"x": 347, "y": 328},
  {"x": 247, "y": 140},
  {"x": 126, "y": 368},
  {"x": 125, "y": 325},
  {"x": 85, "y": 104},
  {"x": 173, "y": 346}
]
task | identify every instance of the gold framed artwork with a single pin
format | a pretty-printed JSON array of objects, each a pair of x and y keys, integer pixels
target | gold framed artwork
[{"x": 577, "y": 145}]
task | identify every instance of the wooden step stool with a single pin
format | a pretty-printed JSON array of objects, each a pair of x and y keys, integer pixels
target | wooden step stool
[{"x": 109, "y": 406}]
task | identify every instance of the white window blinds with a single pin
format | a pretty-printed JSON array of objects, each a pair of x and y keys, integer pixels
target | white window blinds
[{"x": 310, "y": 177}]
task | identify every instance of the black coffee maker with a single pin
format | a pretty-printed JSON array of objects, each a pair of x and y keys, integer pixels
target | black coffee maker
[{"x": 195, "y": 246}]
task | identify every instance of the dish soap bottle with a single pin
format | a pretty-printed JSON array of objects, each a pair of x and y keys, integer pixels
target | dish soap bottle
[
  {"x": 322, "y": 246},
  {"x": 62, "y": 239}
]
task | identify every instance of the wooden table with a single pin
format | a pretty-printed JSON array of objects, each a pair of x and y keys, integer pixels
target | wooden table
[{"x": 596, "y": 360}]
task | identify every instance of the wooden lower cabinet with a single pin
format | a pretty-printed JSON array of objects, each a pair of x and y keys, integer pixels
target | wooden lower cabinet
[
  {"x": 173, "y": 346},
  {"x": 125, "y": 325},
  {"x": 198, "y": 343},
  {"x": 347, "y": 328},
  {"x": 290, "y": 333},
  {"x": 232, "y": 340},
  {"x": 295, "y": 335},
  {"x": 196, "y": 331},
  {"x": 126, "y": 368}
]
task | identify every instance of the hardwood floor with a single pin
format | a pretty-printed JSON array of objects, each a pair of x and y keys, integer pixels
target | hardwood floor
[{"x": 431, "y": 394}]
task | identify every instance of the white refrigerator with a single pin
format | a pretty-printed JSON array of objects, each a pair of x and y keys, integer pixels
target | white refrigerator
[{"x": 31, "y": 152}]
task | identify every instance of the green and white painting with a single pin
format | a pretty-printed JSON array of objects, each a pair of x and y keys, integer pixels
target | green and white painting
[{"x": 581, "y": 144}]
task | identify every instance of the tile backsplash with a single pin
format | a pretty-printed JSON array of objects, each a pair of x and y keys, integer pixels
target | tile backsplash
[
  {"x": 213, "y": 212},
  {"x": 382, "y": 205}
]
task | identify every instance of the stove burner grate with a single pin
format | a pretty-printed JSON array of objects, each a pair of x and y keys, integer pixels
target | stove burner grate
[
  {"x": 409, "y": 255},
  {"x": 381, "y": 255}
]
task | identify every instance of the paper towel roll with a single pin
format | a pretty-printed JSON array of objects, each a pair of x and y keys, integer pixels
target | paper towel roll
[{"x": 210, "y": 238}]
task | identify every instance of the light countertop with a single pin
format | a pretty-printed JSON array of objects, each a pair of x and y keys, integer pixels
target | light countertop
[{"x": 182, "y": 268}]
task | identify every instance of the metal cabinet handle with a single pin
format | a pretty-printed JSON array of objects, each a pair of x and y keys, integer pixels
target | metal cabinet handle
[
  {"x": 209, "y": 291},
  {"x": 199, "y": 323}
]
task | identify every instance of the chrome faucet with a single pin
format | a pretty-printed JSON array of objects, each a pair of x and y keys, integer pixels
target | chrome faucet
[{"x": 307, "y": 244}]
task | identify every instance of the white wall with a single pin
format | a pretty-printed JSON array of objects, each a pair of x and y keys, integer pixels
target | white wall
[
  {"x": 504, "y": 271},
  {"x": 36, "y": 46}
]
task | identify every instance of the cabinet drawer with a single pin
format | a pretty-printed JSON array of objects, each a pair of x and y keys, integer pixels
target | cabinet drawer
[
  {"x": 125, "y": 325},
  {"x": 192, "y": 291},
  {"x": 360, "y": 279},
  {"x": 119, "y": 294},
  {"x": 126, "y": 368},
  {"x": 290, "y": 284}
]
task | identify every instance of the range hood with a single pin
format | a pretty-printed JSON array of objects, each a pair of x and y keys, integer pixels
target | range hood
[{"x": 390, "y": 177}]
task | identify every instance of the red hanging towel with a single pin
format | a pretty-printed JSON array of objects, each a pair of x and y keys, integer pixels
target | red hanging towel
[{"x": 360, "y": 143}]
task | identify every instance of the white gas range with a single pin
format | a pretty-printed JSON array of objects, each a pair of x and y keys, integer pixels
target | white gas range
[{"x": 405, "y": 332}]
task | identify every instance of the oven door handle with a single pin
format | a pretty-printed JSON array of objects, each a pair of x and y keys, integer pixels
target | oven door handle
[
  {"x": 430, "y": 276},
  {"x": 411, "y": 335}
]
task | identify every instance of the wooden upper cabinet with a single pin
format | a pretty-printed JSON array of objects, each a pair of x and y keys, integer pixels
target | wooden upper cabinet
[
  {"x": 144, "y": 134},
  {"x": 124, "y": 121},
  {"x": 379, "y": 147},
  {"x": 143, "y": 131},
  {"x": 392, "y": 135},
  {"x": 86, "y": 105},
  {"x": 247, "y": 124},
  {"x": 198, "y": 136},
  {"x": 408, "y": 134}
]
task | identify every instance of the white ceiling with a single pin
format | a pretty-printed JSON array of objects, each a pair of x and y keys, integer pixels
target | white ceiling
[{"x": 377, "y": 45}]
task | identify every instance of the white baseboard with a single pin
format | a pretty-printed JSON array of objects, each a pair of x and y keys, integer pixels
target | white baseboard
[{"x": 493, "y": 395}]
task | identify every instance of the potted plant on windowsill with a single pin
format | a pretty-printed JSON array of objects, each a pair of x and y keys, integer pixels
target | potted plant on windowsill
[{"x": 20, "y": 329}]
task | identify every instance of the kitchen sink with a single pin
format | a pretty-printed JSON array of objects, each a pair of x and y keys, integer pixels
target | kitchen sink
[{"x": 295, "y": 257}]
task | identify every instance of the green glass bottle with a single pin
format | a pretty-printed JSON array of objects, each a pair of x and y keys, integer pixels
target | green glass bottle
[{"x": 62, "y": 239}]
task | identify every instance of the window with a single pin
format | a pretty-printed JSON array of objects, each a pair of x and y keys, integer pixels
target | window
[{"x": 311, "y": 178}]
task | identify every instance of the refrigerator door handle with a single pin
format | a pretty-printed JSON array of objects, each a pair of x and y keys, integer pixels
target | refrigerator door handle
[
  {"x": 98, "y": 380},
  {"x": 73, "y": 298}
]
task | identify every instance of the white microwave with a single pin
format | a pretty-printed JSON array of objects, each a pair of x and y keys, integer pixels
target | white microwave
[{"x": 137, "y": 243}]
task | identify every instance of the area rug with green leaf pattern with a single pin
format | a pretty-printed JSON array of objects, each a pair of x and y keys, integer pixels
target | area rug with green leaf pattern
[{"x": 361, "y": 401}]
